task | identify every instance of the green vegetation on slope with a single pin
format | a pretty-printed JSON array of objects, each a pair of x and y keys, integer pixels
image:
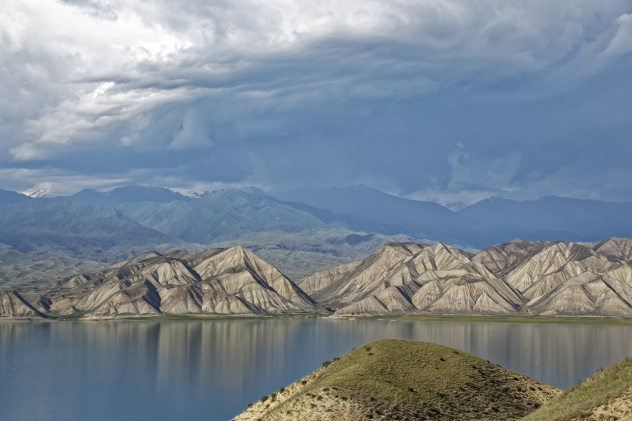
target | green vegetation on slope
[
  {"x": 396, "y": 379},
  {"x": 605, "y": 395}
]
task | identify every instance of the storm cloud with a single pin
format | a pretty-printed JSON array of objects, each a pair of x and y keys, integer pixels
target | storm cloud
[{"x": 440, "y": 100}]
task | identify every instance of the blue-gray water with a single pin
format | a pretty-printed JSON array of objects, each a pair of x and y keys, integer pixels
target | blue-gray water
[{"x": 211, "y": 369}]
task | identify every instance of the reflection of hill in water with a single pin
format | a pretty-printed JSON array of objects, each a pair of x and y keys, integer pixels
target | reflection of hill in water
[
  {"x": 226, "y": 352},
  {"x": 184, "y": 369}
]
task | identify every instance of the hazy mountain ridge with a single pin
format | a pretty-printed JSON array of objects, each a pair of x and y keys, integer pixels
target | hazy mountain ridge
[
  {"x": 218, "y": 214},
  {"x": 63, "y": 227},
  {"x": 294, "y": 240},
  {"x": 519, "y": 277},
  {"x": 127, "y": 194},
  {"x": 11, "y": 197},
  {"x": 591, "y": 219},
  {"x": 230, "y": 281},
  {"x": 296, "y": 237},
  {"x": 490, "y": 221}
]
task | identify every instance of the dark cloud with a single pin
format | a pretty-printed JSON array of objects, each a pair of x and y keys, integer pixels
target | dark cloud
[{"x": 442, "y": 100}]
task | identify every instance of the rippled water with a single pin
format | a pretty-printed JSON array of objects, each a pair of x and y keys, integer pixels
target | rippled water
[{"x": 211, "y": 369}]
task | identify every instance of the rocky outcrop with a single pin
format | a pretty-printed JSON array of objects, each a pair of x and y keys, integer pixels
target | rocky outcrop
[
  {"x": 519, "y": 277},
  {"x": 215, "y": 282},
  {"x": 13, "y": 306}
]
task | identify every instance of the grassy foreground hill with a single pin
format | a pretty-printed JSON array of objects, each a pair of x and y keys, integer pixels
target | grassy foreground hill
[
  {"x": 606, "y": 395},
  {"x": 406, "y": 380}
]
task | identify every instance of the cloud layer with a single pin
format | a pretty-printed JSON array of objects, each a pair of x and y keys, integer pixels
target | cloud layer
[{"x": 443, "y": 100}]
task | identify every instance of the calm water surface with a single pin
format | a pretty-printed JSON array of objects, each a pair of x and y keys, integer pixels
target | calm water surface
[{"x": 211, "y": 369}]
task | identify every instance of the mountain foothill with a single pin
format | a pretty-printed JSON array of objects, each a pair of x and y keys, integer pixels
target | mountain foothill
[
  {"x": 109, "y": 255},
  {"x": 519, "y": 277}
]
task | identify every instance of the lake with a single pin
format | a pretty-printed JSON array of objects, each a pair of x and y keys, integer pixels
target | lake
[{"x": 211, "y": 369}]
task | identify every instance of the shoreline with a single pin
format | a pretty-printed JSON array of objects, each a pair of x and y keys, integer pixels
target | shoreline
[{"x": 455, "y": 318}]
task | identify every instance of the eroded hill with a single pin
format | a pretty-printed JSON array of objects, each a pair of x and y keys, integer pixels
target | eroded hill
[
  {"x": 519, "y": 277},
  {"x": 231, "y": 281}
]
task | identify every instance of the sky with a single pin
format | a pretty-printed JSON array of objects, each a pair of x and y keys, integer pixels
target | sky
[{"x": 442, "y": 100}]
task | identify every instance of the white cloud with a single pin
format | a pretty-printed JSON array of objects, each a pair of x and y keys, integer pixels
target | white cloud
[{"x": 622, "y": 41}]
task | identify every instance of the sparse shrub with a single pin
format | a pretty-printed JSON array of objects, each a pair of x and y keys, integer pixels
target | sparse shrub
[{"x": 263, "y": 398}]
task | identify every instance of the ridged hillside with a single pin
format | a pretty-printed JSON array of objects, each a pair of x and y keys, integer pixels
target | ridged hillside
[
  {"x": 13, "y": 306},
  {"x": 406, "y": 380},
  {"x": 216, "y": 282},
  {"x": 519, "y": 277}
]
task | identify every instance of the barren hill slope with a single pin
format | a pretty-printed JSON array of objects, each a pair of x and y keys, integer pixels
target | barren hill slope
[
  {"x": 218, "y": 281},
  {"x": 519, "y": 277}
]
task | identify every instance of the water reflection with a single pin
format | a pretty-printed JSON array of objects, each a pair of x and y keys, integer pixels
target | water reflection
[{"x": 212, "y": 369}]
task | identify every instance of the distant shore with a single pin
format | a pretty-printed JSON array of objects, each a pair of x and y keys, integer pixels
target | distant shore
[{"x": 580, "y": 320}]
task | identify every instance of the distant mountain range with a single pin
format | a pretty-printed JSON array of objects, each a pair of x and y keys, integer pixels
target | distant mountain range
[
  {"x": 127, "y": 194},
  {"x": 300, "y": 232},
  {"x": 11, "y": 197},
  {"x": 555, "y": 218},
  {"x": 63, "y": 227},
  {"x": 485, "y": 223}
]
